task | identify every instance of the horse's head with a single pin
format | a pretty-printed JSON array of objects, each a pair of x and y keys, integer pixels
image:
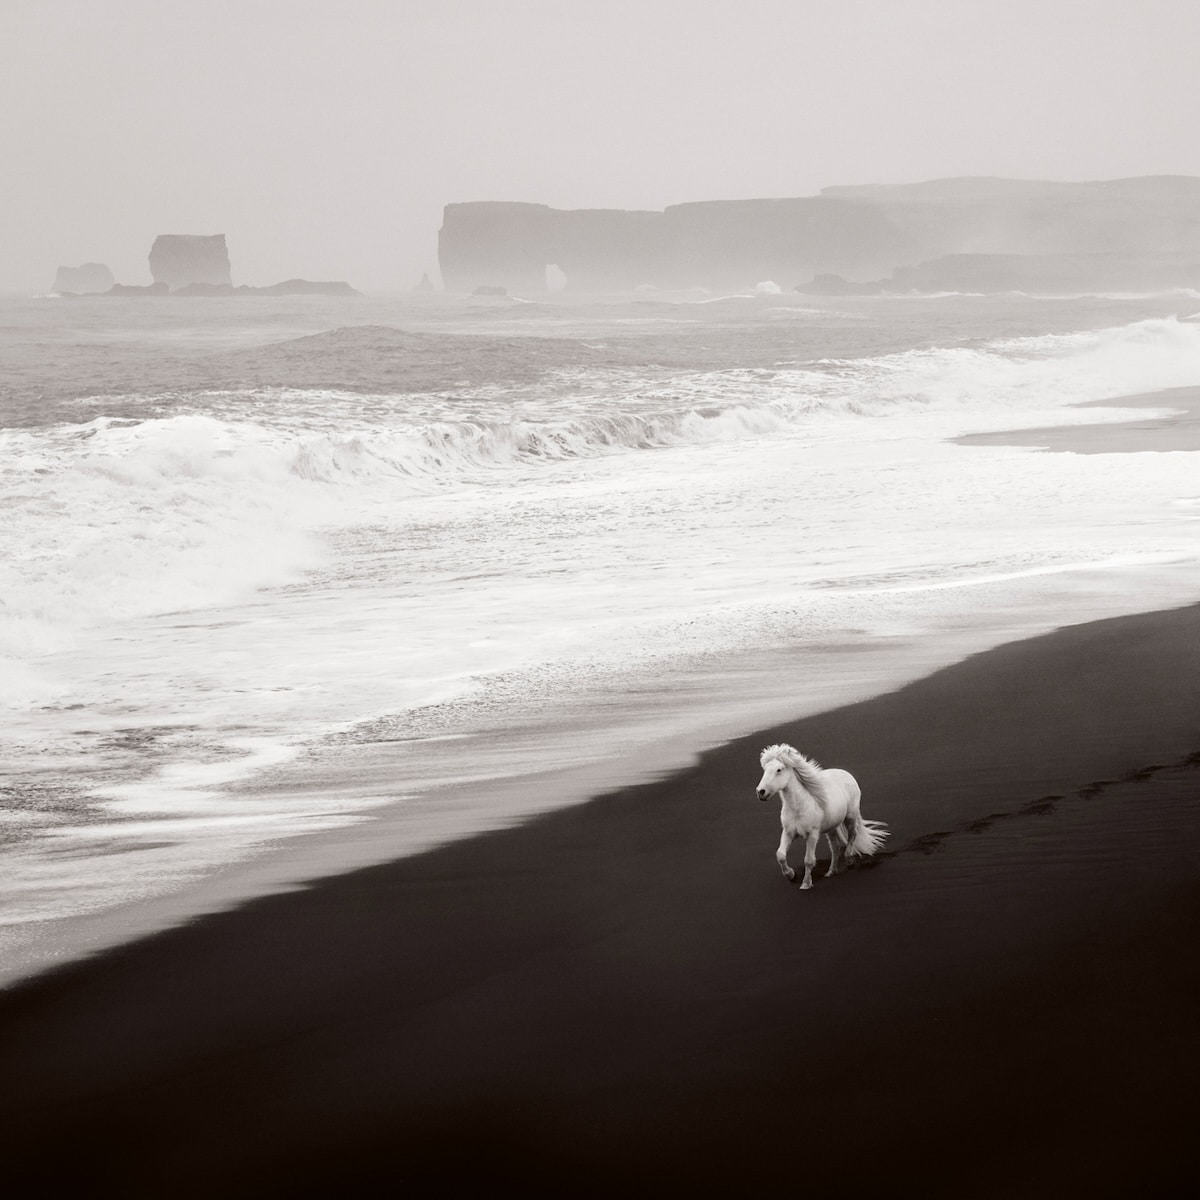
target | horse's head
[{"x": 776, "y": 773}]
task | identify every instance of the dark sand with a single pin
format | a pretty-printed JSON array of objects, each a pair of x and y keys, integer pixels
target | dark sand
[
  {"x": 1179, "y": 431},
  {"x": 627, "y": 998}
]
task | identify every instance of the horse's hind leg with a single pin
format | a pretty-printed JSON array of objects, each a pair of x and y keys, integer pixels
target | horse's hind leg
[
  {"x": 834, "y": 846},
  {"x": 850, "y": 828}
]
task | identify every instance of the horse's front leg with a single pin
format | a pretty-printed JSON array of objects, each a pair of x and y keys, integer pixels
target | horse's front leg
[
  {"x": 781, "y": 854},
  {"x": 810, "y": 858}
]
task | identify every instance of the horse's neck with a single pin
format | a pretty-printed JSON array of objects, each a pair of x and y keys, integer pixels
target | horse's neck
[{"x": 796, "y": 794}]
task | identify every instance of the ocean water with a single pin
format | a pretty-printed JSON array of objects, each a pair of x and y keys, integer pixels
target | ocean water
[{"x": 374, "y": 573}]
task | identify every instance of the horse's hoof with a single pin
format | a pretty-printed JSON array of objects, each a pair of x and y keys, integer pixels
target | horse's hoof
[{"x": 806, "y": 885}]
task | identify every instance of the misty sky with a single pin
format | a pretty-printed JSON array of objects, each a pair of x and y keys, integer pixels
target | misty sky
[{"x": 323, "y": 138}]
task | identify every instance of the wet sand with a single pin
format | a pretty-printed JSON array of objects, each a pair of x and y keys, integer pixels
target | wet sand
[
  {"x": 626, "y": 995},
  {"x": 1178, "y": 431}
]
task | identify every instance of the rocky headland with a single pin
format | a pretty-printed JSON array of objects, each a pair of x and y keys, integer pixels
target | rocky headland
[{"x": 969, "y": 234}]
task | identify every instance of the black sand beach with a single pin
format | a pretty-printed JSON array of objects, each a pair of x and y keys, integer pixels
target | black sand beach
[{"x": 627, "y": 995}]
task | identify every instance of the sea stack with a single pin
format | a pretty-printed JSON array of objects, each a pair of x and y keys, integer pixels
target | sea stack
[
  {"x": 179, "y": 259},
  {"x": 81, "y": 281}
]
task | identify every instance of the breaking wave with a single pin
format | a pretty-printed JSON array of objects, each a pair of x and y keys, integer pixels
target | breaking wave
[{"x": 118, "y": 519}]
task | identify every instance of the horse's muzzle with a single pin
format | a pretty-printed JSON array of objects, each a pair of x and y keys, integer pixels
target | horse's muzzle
[{"x": 762, "y": 793}]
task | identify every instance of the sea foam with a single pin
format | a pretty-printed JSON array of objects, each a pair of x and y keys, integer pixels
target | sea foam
[{"x": 119, "y": 519}]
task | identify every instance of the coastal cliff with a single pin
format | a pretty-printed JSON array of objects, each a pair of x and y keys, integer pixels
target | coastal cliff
[
  {"x": 708, "y": 244},
  {"x": 959, "y": 232}
]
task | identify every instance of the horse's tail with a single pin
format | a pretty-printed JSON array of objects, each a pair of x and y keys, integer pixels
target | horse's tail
[{"x": 868, "y": 838}]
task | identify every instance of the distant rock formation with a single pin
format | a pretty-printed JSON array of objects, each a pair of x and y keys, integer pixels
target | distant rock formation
[
  {"x": 180, "y": 259},
  {"x": 83, "y": 281},
  {"x": 307, "y": 287},
  {"x": 717, "y": 244},
  {"x": 1003, "y": 233},
  {"x": 835, "y": 285},
  {"x": 194, "y": 265},
  {"x": 426, "y": 285},
  {"x": 497, "y": 244}
]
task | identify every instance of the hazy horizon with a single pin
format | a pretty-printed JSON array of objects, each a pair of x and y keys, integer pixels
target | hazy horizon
[{"x": 324, "y": 139}]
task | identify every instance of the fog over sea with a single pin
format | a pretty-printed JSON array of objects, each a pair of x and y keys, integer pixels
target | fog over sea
[{"x": 415, "y": 566}]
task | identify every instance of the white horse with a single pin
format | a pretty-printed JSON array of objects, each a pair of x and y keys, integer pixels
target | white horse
[{"x": 815, "y": 802}]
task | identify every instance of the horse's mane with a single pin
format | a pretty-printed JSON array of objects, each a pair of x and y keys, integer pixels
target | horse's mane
[{"x": 811, "y": 773}]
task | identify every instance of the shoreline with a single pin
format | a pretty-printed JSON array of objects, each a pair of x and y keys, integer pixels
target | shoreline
[
  {"x": 402, "y": 822},
  {"x": 627, "y": 991},
  {"x": 420, "y": 820},
  {"x": 1176, "y": 431}
]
